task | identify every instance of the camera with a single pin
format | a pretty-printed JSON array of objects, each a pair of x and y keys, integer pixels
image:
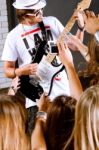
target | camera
[{"x": 53, "y": 47}]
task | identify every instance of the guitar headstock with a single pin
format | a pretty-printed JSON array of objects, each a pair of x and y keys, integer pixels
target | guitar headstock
[{"x": 84, "y": 4}]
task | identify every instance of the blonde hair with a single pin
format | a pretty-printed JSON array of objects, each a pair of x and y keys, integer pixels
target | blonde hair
[
  {"x": 86, "y": 128},
  {"x": 13, "y": 118}
]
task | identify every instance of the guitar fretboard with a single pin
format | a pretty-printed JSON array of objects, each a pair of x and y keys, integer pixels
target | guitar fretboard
[{"x": 67, "y": 28}]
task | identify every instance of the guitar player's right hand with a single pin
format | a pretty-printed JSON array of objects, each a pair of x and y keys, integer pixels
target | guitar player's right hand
[{"x": 30, "y": 69}]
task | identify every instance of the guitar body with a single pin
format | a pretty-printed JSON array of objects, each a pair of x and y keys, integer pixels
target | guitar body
[{"x": 30, "y": 90}]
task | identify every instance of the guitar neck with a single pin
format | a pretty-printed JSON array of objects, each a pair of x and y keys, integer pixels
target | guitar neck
[{"x": 67, "y": 28}]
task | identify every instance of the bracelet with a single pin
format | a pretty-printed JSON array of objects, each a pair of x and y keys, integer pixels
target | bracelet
[
  {"x": 80, "y": 28},
  {"x": 42, "y": 115}
]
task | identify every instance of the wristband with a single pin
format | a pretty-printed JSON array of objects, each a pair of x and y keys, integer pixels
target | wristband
[
  {"x": 80, "y": 28},
  {"x": 42, "y": 115}
]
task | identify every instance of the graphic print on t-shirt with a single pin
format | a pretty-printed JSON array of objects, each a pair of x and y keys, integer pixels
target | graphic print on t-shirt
[{"x": 36, "y": 36}]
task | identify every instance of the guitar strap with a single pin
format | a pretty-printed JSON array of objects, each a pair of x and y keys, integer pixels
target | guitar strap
[
  {"x": 42, "y": 45},
  {"x": 43, "y": 29},
  {"x": 63, "y": 67}
]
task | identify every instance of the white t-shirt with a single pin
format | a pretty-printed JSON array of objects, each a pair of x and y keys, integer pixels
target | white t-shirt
[{"x": 21, "y": 44}]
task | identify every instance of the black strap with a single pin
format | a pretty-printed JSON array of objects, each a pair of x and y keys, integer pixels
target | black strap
[
  {"x": 43, "y": 29},
  {"x": 41, "y": 48},
  {"x": 63, "y": 67}
]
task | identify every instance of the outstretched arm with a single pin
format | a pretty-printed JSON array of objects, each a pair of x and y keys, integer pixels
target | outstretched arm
[
  {"x": 66, "y": 58},
  {"x": 82, "y": 48},
  {"x": 37, "y": 138},
  {"x": 78, "y": 15},
  {"x": 80, "y": 25}
]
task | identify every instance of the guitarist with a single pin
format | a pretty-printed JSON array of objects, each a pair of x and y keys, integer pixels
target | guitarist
[{"x": 23, "y": 42}]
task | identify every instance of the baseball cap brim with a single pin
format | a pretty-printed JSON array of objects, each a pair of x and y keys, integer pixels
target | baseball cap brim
[{"x": 39, "y": 5}]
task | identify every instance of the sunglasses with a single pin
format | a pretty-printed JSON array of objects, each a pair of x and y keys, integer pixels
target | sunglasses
[{"x": 35, "y": 13}]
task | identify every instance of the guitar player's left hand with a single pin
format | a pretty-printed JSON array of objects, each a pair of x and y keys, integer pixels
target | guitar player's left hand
[{"x": 74, "y": 41}]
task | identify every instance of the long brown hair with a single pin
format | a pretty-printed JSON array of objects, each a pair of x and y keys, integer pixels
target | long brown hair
[
  {"x": 86, "y": 128},
  {"x": 90, "y": 75},
  {"x": 60, "y": 122},
  {"x": 93, "y": 50},
  {"x": 13, "y": 117},
  {"x": 93, "y": 47}
]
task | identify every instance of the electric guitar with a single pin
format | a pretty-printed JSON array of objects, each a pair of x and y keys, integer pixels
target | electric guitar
[{"x": 32, "y": 88}]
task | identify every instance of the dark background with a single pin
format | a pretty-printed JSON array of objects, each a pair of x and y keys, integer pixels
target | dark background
[{"x": 63, "y": 10}]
